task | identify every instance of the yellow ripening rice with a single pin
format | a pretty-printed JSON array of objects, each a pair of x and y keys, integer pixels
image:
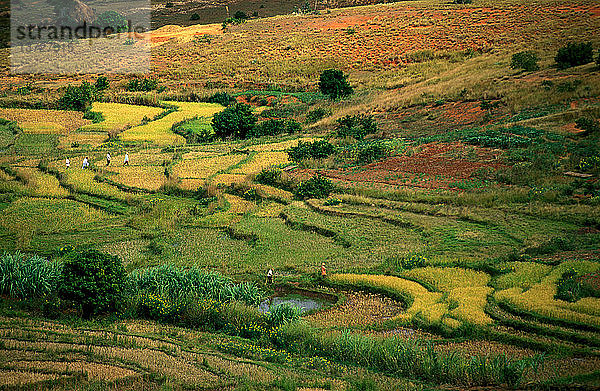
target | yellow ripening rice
[
  {"x": 82, "y": 138},
  {"x": 273, "y": 192},
  {"x": 66, "y": 119},
  {"x": 539, "y": 298},
  {"x": 42, "y": 128},
  {"x": 238, "y": 205},
  {"x": 191, "y": 183},
  {"x": 204, "y": 168},
  {"x": 448, "y": 278},
  {"x": 143, "y": 177},
  {"x": 118, "y": 116},
  {"x": 261, "y": 161},
  {"x": 229, "y": 179},
  {"x": 159, "y": 131},
  {"x": 522, "y": 274},
  {"x": 42, "y": 184},
  {"x": 280, "y": 146},
  {"x": 50, "y": 215},
  {"x": 426, "y": 304},
  {"x": 471, "y": 304}
]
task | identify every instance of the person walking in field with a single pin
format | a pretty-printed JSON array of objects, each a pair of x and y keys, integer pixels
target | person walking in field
[
  {"x": 323, "y": 270},
  {"x": 107, "y": 159},
  {"x": 67, "y": 162},
  {"x": 85, "y": 163},
  {"x": 126, "y": 161},
  {"x": 269, "y": 279}
]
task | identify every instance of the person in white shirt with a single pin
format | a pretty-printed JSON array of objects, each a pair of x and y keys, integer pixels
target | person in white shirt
[
  {"x": 85, "y": 163},
  {"x": 126, "y": 161},
  {"x": 67, "y": 162},
  {"x": 107, "y": 159},
  {"x": 269, "y": 277}
]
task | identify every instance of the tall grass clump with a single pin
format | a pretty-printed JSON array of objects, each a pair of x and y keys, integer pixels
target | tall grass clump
[
  {"x": 27, "y": 276},
  {"x": 411, "y": 358},
  {"x": 176, "y": 283}
]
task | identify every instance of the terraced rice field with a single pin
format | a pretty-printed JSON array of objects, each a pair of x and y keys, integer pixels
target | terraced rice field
[
  {"x": 118, "y": 116},
  {"x": 159, "y": 131},
  {"x": 45, "y": 121}
]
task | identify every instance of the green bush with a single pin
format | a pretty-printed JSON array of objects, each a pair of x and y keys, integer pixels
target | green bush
[
  {"x": 28, "y": 276},
  {"x": 282, "y": 314},
  {"x": 572, "y": 287},
  {"x": 113, "y": 21},
  {"x": 95, "y": 116},
  {"x": 369, "y": 152},
  {"x": 525, "y": 60},
  {"x": 316, "y": 150},
  {"x": 78, "y": 98},
  {"x": 240, "y": 15},
  {"x": 574, "y": 54},
  {"x": 101, "y": 83},
  {"x": 316, "y": 115},
  {"x": 144, "y": 84},
  {"x": 357, "y": 126},
  {"x": 316, "y": 187},
  {"x": 222, "y": 98},
  {"x": 334, "y": 84},
  {"x": 273, "y": 127},
  {"x": 195, "y": 16},
  {"x": 589, "y": 125},
  {"x": 269, "y": 176},
  {"x": 235, "y": 121},
  {"x": 92, "y": 280}
]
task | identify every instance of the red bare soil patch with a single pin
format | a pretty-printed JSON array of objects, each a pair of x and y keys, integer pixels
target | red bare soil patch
[{"x": 436, "y": 165}]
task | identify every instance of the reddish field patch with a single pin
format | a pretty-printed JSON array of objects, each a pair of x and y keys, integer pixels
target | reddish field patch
[{"x": 436, "y": 165}]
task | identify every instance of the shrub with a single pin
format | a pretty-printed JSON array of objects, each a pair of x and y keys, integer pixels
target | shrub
[
  {"x": 316, "y": 115},
  {"x": 315, "y": 150},
  {"x": 574, "y": 54},
  {"x": 240, "y": 15},
  {"x": 525, "y": 60},
  {"x": 195, "y": 16},
  {"x": 270, "y": 176},
  {"x": 27, "y": 276},
  {"x": 95, "y": 116},
  {"x": 282, "y": 314},
  {"x": 78, "y": 98},
  {"x": 222, "y": 98},
  {"x": 589, "y": 125},
  {"x": 144, "y": 84},
  {"x": 369, "y": 152},
  {"x": 357, "y": 126},
  {"x": 113, "y": 21},
  {"x": 316, "y": 187},
  {"x": 334, "y": 84},
  {"x": 273, "y": 127},
  {"x": 101, "y": 83},
  {"x": 572, "y": 287},
  {"x": 92, "y": 280},
  {"x": 235, "y": 121}
]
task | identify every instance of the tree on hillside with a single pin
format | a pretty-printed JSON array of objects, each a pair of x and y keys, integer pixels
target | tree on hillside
[
  {"x": 334, "y": 83},
  {"x": 235, "y": 121}
]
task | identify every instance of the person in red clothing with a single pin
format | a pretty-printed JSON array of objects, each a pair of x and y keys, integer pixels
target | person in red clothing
[{"x": 323, "y": 270}]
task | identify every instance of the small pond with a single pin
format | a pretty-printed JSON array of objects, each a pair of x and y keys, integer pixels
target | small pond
[{"x": 305, "y": 300}]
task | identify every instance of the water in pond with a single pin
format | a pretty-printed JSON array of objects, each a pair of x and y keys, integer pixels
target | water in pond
[{"x": 305, "y": 303}]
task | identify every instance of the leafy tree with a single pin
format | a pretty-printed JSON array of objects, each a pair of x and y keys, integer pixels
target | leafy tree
[
  {"x": 113, "y": 20},
  {"x": 316, "y": 187},
  {"x": 273, "y": 127},
  {"x": 101, "y": 83},
  {"x": 357, "y": 126},
  {"x": 235, "y": 121},
  {"x": 195, "y": 16},
  {"x": 589, "y": 125},
  {"x": 525, "y": 60},
  {"x": 334, "y": 83},
  {"x": 574, "y": 54},
  {"x": 241, "y": 15},
  {"x": 315, "y": 150},
  {"x": 93, "y": 280},
  {"x": 78, "y": 98},
  {"x": 221, "y": 98}
]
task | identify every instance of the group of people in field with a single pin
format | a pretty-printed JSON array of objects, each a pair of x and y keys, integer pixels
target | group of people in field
[
  {"x": 270, "y": 274},
  {"x": 86, "y": 161}
]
